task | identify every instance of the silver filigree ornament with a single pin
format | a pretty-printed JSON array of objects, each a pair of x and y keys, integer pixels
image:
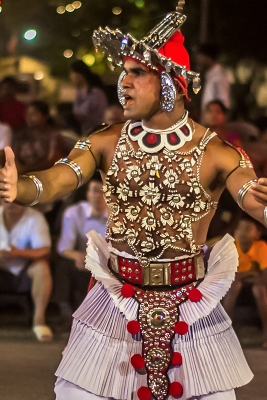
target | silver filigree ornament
[
  {"x": 168, "y": 92},
  {"x": 121, "y": 97}
]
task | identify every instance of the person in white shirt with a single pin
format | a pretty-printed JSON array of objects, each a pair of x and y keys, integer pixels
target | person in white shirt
[
  {"x": 90, "y": 101},
  {"x": 216, "y": 85},
  {"x": 70, "y": 276},
  {"x": 24, "y": 250}
]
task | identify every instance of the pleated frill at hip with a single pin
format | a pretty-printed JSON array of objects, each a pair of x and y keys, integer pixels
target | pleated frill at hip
[{"x": 97, "y": 357}]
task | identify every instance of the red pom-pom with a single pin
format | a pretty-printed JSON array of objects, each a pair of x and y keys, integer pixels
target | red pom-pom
[
  {"x": 177, "y": 359},
  {"x": 176, "y": 389},
  {"x": 181, "y": 328},
  {"x": 144, "y": 393},
  {"x": 137, "y": 361},
  {"x": 127, "y": 290},
  {"x": 195, "y": 295},
  {"x": 133, "y": 327}
]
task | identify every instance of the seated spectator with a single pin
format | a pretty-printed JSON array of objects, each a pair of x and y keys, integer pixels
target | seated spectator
[
  {"x": 40, "y": 145},
  {"x": 114, "y": 114},
  {"x": 12, "y": 111},
  {"x": 69, "y": 127},
  {"x": 215, "y": 117},
  {"x": 24, "y": 250},
  {"x": 91, "y": 101},
  {"x": 257, "y": 151},
  {"x": 215, "y": 80},
  {"x": 252, "y": 270},
  {"x": 70, "y": 276}
]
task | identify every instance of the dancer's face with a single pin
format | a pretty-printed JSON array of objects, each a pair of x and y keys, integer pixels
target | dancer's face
[{"x": 141, "y": 89}]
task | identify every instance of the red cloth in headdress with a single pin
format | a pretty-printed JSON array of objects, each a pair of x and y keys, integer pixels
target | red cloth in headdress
[{"x": 175, "y": 50}]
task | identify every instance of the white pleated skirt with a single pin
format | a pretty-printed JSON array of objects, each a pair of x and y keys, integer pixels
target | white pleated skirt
[{"x": 97, "y": 357}]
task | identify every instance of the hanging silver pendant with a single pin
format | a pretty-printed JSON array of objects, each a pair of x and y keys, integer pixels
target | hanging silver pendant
[{"x": 168, "y": 92}]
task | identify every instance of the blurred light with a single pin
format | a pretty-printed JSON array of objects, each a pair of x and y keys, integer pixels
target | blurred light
[
  {"x": 89, "y": 59},
  {"x": 99, "y": 68},
  {"x": 99, "y": 56},
  {"x": 77, "y": 4},
  {"x": 70, "y": 8},
  {"x": 30, "y": 34},
  {"x": 61, "y": 10},
  {"x": 68, "y": 53},
  {"x": 135, "y": 22},
  {"x": 1, "y": 8},
  {"x": 86, "y": 28},
  {"x": 38, "y": 75},
  {"x": 75, "y": 32},
  {"x": 139, "y": 3},
  {"x": 23, "y": 77},
  {"x": 116, "y": 10}
]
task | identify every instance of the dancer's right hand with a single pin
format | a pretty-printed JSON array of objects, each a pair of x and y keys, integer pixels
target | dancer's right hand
[{"x": 8, "y": 177}]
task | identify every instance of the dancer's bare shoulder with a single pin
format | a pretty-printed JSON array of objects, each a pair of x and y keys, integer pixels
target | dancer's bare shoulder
[
  {"x": 104, "y": 144},
  {"x": 220, "y": 157}
]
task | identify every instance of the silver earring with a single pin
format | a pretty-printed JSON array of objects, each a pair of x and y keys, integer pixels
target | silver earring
[
  {"x": 120, "y": 89},
  {"x": 168, "y": 92}
]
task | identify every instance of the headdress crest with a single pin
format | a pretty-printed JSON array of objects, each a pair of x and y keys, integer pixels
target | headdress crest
[{"x": 161, "y": 48}]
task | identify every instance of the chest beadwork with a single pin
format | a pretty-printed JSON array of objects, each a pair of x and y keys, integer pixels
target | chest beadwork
[{"x": 154, "y": 198}]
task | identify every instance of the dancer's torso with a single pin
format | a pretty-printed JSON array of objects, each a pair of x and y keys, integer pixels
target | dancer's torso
[{"x": 159, "y": 206}]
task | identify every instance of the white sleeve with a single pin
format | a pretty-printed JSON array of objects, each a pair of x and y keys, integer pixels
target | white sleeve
[
  {"x": 40, "y": 234},
  {"x": 68, "y": 235}
]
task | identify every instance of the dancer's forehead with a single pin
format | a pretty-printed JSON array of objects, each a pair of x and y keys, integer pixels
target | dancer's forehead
[{"x": 133, "y": 65}]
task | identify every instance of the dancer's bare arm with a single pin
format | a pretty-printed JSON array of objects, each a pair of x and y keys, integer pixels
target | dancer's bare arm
[
  {"x": 255, "y": 199},
  {"x": 57, "y": 181}
]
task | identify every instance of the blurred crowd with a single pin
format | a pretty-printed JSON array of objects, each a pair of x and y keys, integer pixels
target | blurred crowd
[{"x": 42, "y": 249}]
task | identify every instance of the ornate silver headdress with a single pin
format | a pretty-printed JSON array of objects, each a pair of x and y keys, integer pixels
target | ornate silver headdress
[{"x": 116, "y": 46}]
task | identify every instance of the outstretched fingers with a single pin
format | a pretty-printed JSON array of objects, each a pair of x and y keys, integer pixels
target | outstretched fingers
[
  {"x": 4, "y": 188},
  {"x": 259, "y": 191},
  {"x": 8, "y": 177}
]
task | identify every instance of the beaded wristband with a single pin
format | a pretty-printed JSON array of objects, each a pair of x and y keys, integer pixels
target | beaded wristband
[
  {"x": 39, "y": 188},
  {"x": 243, "y": 191},
  {"x": 75, "y": 167}
]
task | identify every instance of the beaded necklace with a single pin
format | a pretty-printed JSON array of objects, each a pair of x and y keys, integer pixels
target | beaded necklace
[{"x": 153, "y": 140}]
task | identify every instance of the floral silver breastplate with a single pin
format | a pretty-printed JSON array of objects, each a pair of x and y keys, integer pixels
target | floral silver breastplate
[{"x": 154, "y": 198}]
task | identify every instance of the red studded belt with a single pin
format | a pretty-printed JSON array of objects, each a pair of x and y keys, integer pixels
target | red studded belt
[{"x": 158, "y": 274}]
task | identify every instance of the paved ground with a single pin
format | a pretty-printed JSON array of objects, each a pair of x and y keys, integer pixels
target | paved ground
[{"x": 27, "y": 367}]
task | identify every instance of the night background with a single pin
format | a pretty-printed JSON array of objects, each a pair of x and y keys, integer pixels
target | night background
[{"x": 237, "y": 26}]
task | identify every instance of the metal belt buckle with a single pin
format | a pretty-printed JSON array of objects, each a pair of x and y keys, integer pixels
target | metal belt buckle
[
  {"x": 199, "y": 266},
  {"x": 157, "y": 274},
  {"x": 114, "y": 262}
]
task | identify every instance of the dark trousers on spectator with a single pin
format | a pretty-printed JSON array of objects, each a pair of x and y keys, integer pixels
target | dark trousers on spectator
[{"x": 70, "y": 283}]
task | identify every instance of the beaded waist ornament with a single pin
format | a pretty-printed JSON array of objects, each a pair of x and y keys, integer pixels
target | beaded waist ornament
[{"x": 158, "y": 322}]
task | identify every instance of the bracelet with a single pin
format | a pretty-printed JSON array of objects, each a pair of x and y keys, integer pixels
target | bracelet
[
  {"x": 85, "y": 145},
  {"x": 243, "y": 191},
  {"x": 75, "y": 167},
  {"x": 39, "y": 188},
  {"x": 265, "y": 216}
]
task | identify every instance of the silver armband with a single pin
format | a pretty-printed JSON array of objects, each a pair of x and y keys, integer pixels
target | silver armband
[
  {"x": 75, "y": 167},
  {"x": 243, "y": 191},
  {"x": 83, "y": 144},
  {"x": 265, "y": 216},
  {"x": 39, "y": 188}
]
